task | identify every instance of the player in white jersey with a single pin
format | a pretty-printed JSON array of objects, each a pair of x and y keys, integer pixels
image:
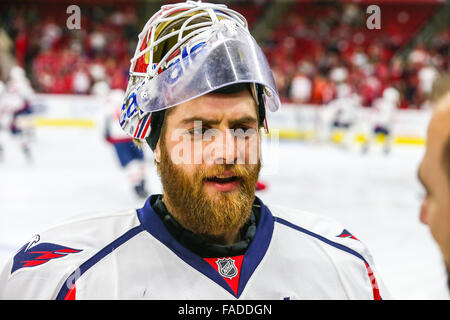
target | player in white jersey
[
  {"x": 204, "y": 83},
  {"x": 345, "y": 114},
  {"x": 16, "y": 108},
  {"x": 130, "y": 157},
  {"x": 383, "y": 119}
]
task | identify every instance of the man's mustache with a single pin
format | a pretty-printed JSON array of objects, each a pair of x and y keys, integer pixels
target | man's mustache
[{"x": 237, "y": 171}]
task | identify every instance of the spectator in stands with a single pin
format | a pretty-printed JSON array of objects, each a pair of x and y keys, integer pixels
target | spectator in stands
[
  {"x": 418, "y": 55},
  {"x": 339, "y": 30},
  {"x": 281, "y": 82},
  {"x": 81, "y": 81},
  {"x": 301, "y": 87},
  {"x": 328, "y": 36},
  {"x": 323, "y": 90},
  {"x": 426, "y": 77}
]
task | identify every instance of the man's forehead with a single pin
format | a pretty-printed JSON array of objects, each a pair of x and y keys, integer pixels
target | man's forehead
[{"x": 218, "y": 105}]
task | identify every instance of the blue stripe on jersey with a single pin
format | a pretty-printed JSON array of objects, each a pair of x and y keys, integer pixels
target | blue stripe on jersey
[
  {"x": 96, "y": 258},
  {"x": 319, "y": 237},
  {"x": 258, "y": 247}
]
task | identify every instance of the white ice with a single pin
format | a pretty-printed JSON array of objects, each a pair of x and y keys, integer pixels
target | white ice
[{"x": 376, "y": 197}]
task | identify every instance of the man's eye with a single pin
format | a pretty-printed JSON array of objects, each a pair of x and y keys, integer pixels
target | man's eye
[
  {"x": 197, "y": 131},
  {"x": 243, "y": 131}
]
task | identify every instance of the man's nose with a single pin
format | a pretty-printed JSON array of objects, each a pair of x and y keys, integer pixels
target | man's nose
[{"x": 226, "y": 144}]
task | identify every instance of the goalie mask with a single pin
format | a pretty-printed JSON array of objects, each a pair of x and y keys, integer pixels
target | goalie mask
[{"x": 188, "y": 50}]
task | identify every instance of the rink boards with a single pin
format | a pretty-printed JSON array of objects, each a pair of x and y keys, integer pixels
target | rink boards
[{"x": 291, "y": 122}]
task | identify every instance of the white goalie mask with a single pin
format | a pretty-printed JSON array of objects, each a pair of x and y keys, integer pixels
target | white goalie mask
[{"x": 187, "y": 50}]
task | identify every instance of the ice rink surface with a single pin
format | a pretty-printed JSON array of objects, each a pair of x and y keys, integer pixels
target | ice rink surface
[{"x": 376, "y": 197}]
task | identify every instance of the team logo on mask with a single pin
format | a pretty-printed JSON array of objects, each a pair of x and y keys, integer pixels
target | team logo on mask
[{"x": 227, "y": 268}]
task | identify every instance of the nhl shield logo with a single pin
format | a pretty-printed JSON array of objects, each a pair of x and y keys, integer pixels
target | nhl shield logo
[{"x": 227, "y": 268}]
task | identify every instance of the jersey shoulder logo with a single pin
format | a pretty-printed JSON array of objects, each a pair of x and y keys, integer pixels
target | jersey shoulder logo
[
  {"x": 346, "y": 234},
  {"x": 227, "y": 268},
  {"x": 34, "y": 254}
]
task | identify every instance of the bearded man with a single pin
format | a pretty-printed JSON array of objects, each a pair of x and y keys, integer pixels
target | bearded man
[{"x": 198, "y": 94}]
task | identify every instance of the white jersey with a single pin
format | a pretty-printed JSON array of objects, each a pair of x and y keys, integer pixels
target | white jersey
[
  {"x": 384, "y": 112},
  {"x": 17, "y": 94},
  {"x": 345, "y": 109},
  {"x": 112, "y": 108},
  {"x": 131, "y": 255}
]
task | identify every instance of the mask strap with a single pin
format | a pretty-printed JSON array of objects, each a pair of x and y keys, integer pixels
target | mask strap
[{"x": 257, "y": 93}]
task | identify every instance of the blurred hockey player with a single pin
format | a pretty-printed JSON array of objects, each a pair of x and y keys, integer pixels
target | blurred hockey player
[
  {"x": 130, "y": 157},
  {"x": 344, "y": 115},
  {"x": 383, "y": 119},
  {"x": 16, "y": 105}
]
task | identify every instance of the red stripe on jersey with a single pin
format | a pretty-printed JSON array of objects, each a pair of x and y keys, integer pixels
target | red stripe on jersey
[
  {"x": 32, "y": 263},
  {"x": 229, "y": 268},
  {"x": 373, "y": 282},
  {"x": 67, "y": 250},
  {"x": 48, "y": 255},
  {"x": 71, "y": 295}
]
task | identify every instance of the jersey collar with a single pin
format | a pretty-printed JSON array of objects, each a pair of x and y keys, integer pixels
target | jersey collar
[{"x": 252, "y": 257}]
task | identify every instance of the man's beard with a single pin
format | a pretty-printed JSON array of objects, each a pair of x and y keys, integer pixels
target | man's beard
[{"x": 210, "y": 215}]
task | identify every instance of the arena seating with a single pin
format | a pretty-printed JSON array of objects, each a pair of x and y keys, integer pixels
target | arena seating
[{"x": 315, "y": 40}]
